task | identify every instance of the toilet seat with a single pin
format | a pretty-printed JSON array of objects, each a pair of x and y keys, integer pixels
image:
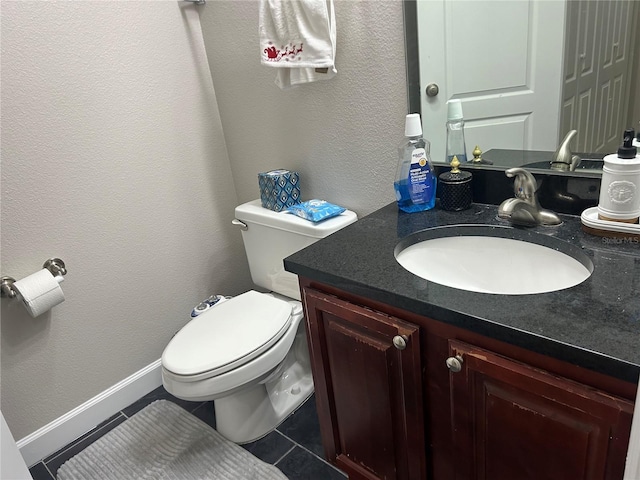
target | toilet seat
[{"x": 227, "y": 336}]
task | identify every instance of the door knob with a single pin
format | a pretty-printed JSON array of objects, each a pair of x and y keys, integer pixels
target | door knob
[
  {"x": 455, "y": 363},
  {"x": 400, "y": 342},
  {"x": 432, "y": 90}
]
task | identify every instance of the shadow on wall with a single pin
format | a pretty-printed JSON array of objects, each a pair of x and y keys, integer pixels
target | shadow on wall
[{"x": 19, "y": 329}]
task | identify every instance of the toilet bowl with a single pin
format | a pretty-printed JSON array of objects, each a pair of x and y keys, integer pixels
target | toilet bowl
[{"x": 249, "y": 354}]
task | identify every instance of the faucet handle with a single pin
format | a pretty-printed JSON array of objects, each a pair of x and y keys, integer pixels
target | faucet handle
[
  {"x": 562, "y": 158},
  {"x": 525, "y": 209},
  {"x": 524, "y": 184}
]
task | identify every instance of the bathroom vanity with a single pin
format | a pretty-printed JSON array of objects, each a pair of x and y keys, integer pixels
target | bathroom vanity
[{"x": 418, "y": 380}]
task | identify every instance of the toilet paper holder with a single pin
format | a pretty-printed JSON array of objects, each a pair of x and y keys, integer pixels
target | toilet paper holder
[{"x": 54, "y": 265}]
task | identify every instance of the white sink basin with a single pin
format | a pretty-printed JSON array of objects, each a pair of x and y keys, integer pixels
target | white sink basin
[{"x": 494, "y": 260}]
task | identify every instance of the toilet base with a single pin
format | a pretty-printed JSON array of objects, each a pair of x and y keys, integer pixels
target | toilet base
[
  {"x": 252, "y": 413},
  {"x": 253, "y": 399}
]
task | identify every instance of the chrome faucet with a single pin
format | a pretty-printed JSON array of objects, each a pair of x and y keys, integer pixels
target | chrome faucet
[
  {"x": 562, "y": 159},
  {"x": 524, "y": 208}
]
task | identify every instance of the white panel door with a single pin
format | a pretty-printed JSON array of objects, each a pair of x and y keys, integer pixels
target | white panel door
[
  {"x": 503, "y": 60},
  {"x": 598, "y": 69},
  {"x": 580, "y": 71},
  {"x": 614, "y": 74}
]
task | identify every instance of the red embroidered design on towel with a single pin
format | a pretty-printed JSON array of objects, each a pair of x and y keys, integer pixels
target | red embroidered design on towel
[{"x": 288, "y": 53}]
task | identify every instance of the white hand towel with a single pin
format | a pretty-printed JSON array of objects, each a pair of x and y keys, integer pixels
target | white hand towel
[{"x": 298, "y": 37}]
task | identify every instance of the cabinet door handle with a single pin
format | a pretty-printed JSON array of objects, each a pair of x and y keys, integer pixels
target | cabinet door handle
[
  {"x": 455, "y": 363},
  {"x": 400, "y": 342}
]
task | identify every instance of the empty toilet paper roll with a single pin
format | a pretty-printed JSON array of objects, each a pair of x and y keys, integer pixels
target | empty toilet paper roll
[{"x": 40, "y": 292}]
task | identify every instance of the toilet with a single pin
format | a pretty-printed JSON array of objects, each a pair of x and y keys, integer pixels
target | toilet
[{"x": 249, "y": 354}]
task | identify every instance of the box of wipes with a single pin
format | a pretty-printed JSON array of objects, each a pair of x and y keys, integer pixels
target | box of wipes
[{"x": 279, "y": 189}]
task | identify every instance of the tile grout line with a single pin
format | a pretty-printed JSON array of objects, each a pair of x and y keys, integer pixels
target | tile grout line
[
  {"x": 203, "y": 404},
  {"x": 80, "y": 439},
  {"x": 287, "y": 453},
  {"x": 308, "y": 451},
  {"x": 46, "y": 467}
]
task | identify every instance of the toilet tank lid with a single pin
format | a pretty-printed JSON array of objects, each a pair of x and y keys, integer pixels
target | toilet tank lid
[{"x": 254, "y": 212}]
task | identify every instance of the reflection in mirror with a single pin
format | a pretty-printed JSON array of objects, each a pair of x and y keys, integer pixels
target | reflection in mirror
[{"x": 527, "y": 73}]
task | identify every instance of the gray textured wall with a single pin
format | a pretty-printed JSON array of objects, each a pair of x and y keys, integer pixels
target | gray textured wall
[{"x": 341, "y": 134}]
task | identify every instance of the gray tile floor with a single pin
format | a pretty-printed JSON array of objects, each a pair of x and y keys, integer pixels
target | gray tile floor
[{"x": 294, "y": 447}]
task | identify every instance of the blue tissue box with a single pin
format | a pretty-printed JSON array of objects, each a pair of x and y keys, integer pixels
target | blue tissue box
[{"x": 279, "y": 189}]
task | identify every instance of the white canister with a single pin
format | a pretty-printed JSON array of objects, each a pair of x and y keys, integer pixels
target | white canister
[{"x": 620, "y": 189}]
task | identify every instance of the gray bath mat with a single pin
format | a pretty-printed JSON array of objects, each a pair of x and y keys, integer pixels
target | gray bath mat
[{"x": 164, "y": 441}]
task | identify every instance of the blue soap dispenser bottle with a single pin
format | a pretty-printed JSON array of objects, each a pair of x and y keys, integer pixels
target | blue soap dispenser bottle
[{"x": 415, "y": 182}]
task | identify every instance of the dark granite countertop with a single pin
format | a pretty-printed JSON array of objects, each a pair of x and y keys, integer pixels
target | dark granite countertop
[{"x": 595, "y": 324}]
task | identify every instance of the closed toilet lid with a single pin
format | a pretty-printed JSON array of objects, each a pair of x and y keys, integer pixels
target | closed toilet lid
[{"x": 228, "y": 335}]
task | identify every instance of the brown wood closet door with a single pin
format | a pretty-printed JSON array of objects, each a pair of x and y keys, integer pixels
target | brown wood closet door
[
  {"x": 368, "y": 391},
  {"x": 511, "y": 421}
]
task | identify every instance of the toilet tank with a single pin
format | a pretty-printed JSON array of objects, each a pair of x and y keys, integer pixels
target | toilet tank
[{"x": 271, "y": 236}]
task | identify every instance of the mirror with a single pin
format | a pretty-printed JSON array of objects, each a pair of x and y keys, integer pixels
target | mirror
[{"x": 591, "y": 76}]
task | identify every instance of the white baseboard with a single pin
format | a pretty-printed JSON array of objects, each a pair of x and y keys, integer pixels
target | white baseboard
[{"x": 55, "y": 435}]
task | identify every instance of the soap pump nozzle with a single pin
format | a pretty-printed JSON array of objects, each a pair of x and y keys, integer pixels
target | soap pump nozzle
[{"x": 627, "y": 150}]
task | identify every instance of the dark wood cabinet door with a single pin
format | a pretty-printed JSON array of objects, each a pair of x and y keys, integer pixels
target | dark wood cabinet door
[
  {"x": 368, "y": 390},
  {"x": 511, "y": 421}
]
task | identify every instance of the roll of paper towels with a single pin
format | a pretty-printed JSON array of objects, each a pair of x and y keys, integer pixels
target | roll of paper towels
[{"x": 40, "y": 292}]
